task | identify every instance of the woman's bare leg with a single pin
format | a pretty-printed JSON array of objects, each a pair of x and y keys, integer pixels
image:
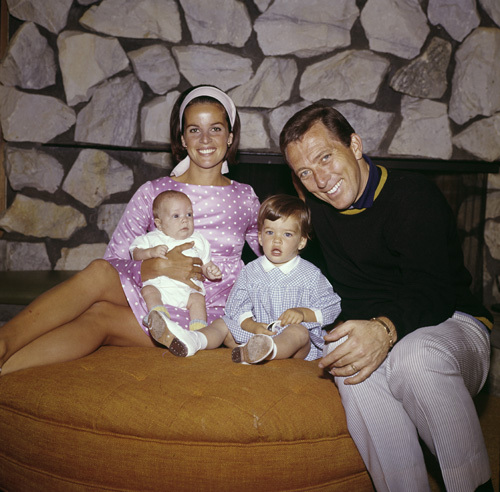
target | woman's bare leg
[
  {"x": 104, "y": 323},
  {"x": 60, "y": 305}
]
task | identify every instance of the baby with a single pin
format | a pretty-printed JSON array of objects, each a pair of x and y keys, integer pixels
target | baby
[{"x": 173, "y": 217}]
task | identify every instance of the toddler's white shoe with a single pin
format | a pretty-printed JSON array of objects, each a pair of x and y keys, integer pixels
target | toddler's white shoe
[{"x": 255, "y": 350}]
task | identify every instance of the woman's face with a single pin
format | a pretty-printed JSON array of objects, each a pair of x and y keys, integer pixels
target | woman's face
[{"x": 206, "y": 134}]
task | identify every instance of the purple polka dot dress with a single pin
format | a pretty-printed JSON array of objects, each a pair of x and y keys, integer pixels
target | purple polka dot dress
[{"x": 225, "y": 215}]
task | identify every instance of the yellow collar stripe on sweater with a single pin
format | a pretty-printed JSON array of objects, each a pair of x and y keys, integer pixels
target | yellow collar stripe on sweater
[
  {"x": 486, "y": 322},
  {"x": 383, "y": 179}
]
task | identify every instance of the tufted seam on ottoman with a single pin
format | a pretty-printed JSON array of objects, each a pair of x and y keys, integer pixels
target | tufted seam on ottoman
[
  {"x": 182, "y": 442},
  {"x": 341, "y": 484}
]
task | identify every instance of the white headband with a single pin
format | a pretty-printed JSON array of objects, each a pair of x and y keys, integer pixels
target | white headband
[{"x": 217, "y": 94}]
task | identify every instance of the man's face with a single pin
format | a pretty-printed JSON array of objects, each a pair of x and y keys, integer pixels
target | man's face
[{"x": 331, "y": 171}]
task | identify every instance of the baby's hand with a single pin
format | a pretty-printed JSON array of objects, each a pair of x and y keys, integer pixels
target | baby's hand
[
  {"x": 291, "y": 316},
  {"x": 159, "y": 251},
  {"x": 212, "y": 271}
]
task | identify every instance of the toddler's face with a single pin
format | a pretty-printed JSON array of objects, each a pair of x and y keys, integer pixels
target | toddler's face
[
  {"x": 175, "y": 218},
  {"x": 281, "y": 239}
]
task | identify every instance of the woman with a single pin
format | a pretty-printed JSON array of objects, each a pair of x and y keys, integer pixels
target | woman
[{"x": 92, "y": 309}]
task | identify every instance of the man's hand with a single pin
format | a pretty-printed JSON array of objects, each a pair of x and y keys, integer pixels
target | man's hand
[
  {"x": 363, "y": 351},
  {"x": 176, "y": 266}
]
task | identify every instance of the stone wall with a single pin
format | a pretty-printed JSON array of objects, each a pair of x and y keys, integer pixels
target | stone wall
[{"x": 86, "y": 89}]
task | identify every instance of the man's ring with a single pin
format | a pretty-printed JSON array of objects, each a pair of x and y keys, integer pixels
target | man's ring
[{"x": 354, "y": 368}]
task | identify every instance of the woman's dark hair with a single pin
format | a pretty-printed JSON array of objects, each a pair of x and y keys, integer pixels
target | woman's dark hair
[
  {"x": 178, "y": 150},
  {"x": 283, "y": 206},
  {"x": 301, "y": 122}
]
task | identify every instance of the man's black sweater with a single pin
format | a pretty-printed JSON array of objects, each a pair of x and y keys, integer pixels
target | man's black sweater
[{"x": 399, "y": 258}]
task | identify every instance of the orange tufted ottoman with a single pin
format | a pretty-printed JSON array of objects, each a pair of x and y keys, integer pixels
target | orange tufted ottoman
[{"x": 143, "y": 420}]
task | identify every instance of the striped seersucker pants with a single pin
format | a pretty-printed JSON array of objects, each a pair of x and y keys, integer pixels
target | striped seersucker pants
[{"x": 423, "y": 388}]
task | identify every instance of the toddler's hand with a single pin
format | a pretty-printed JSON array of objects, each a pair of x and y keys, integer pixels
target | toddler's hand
[
  {"x": 254, "y": 327},
  {"x": 261, "y": 329},
  {"x": 291, "y": 316}
]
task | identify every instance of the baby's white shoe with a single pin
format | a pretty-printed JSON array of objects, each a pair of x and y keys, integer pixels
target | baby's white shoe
[{"x": 180, "y": 342}]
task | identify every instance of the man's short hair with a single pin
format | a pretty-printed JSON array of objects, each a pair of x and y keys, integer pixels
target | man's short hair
[{"x": 301, "y": 122}]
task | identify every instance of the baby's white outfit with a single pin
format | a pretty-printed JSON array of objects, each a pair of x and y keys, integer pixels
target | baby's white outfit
[{"x": 174, "y": 292}]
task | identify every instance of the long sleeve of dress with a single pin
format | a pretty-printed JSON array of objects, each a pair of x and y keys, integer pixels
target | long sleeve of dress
[{"x": 136, "y": 221}]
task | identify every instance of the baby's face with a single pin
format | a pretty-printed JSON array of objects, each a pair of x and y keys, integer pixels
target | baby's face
[
  {"x": 281, "y": 239},
  {"x": 175, "y": 218}
]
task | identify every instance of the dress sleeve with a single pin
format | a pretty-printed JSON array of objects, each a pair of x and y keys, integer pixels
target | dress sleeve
[
  {"x": 140, "y": 242},
  {"x": 251, "y": 234},
  {"x": 134, "y": 222}
]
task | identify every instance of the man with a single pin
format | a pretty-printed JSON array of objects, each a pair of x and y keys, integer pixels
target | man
[{"x": 393, "y": 255}]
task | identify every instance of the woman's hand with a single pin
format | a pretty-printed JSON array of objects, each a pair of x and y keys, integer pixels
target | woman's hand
[
  {"x": 361, "y": 353},
  {"x": 175, "y": 265}
]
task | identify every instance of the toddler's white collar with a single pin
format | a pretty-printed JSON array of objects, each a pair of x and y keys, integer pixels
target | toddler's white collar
[{"x": 286, "y": 268}]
